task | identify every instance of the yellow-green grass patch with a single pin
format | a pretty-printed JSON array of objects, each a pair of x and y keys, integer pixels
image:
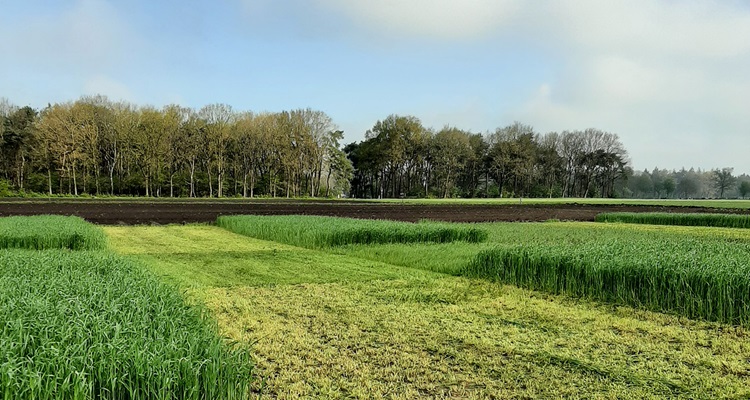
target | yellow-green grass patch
[
  {"x": 208, "y": 255},
  {"x": 428, "y": 335},
  {"x": 455, "y": 337}
]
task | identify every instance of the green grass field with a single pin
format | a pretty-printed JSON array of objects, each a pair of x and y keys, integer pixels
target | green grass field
[
  {"x": 374, "y": 321},
  {"x": 709, "y": 203}
]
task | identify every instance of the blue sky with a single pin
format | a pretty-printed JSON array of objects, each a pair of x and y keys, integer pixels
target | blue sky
[{"x": 670, "y": 78}]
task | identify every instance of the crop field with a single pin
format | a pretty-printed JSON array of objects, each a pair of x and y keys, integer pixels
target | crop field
[
  {"x": 92, "y": 324},
  {"x": 682, "y": 219},
  {"x": 426, "y": 319},
  {"x": 317, "y": 232},
  {"x": 50, "y": 232}
]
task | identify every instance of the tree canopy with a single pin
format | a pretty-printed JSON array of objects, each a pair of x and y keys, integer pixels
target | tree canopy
[{"x": 96, "y": 146}]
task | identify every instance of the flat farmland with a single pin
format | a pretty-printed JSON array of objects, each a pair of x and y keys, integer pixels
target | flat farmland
[
  {"x": 398, "y": 321},
  {"x": 180, "y": 211},
  {"x": 311, "y": 306}
]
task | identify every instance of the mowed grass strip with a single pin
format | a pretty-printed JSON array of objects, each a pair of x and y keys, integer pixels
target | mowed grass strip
[
  {"x": 459, "y": 338},
  {"x": 683, "y": 219},
  {"x": 212, "y": 256},
  {"x": 437, "y": 336},
  {"x": 321, "y": 232},
  {"x": 50, "y": 232},
  {"x": 89, "y": 325}
]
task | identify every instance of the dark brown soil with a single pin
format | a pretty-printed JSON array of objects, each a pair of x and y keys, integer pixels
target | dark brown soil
[{"x": 131, "y": 212}]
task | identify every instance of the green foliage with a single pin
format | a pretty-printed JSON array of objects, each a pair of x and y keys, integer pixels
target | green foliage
[
  {"x": 86, "y": 325},
  {"x": 744, "y": 188},
  {"x": 697, "y": 277},
  {"x": 683, "y": 219},
  {"x": 319, "y": 232},
  {"x": 5, "y": 188},
  {"x": 50, "y": 232}
]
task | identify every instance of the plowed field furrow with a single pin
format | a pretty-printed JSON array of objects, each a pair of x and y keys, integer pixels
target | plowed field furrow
[{"x": 162, "y": 212}]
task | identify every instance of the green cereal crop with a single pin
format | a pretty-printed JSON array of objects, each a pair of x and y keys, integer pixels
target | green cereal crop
[
  {"x": 684, "y": 219},
  {"x": 319, "y": 232},
  {"x": 668, "y": 271},
  {"x": 90, "y": 325},
  {"x": 50, "y": 232}
]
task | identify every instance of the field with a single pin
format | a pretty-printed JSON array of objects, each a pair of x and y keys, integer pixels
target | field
[
  {"x": 129, "y": 211},
  {"x": 79, "y": 322},
  {"x": 50, "y": 232},
  {"x": 399, "y": 321},
  {"x": 345, "y": 308},
  {"x": 681, "y": 219}
]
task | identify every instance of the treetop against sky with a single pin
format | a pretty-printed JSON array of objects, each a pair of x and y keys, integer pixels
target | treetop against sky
[{"x": 668, "y": 77}]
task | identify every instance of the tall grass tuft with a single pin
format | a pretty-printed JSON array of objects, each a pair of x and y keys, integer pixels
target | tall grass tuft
[
  {"x": 687, "y": 276},
  {"x": 90, "y": 325},
  {"x": 50, "y": 232},
  {"x": 319, "y": 232},
  {"x": 684, "y": 219}
]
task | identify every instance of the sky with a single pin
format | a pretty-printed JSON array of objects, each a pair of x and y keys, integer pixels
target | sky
[{"x": 671, "y": 78}]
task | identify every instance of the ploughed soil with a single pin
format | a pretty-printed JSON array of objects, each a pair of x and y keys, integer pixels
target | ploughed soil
[{"x": 131, "y": 212}]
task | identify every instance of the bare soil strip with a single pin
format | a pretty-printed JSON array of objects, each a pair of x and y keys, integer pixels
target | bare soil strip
[{"x": 111, "y": 212}]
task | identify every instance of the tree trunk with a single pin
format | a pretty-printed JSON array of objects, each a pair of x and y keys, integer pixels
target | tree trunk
[
  {"x": 244, "y": 184},
  {"x": 220, "y": 183},
  {"x": 252, "y": 182},
  {"x": 210, "y": 184},
  {"x": 75, "y": 183},
  {"x": 192, "y": 178},
  {"x": 328, "y": 181}
]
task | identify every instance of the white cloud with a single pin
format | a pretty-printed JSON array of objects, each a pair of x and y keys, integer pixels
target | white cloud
[
  {"x": 656, "y": 28},
  {"x": 667, "y": 77},
  {"x": 441, "y": 19}
]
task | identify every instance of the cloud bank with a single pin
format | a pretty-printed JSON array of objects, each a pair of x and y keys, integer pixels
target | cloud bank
[{"x": 669, "y": 77}]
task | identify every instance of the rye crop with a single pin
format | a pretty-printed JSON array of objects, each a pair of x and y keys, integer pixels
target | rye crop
[
  {"x": 683, "y": 219},
  {"x": 50, "y": 232},
  {"x": 89, "y": 325},
  {"x": 693, "y": 276},
  {"x": 320, "y": 232}
]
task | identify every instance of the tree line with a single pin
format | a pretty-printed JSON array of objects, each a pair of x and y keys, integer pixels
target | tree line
[
  {"x": 401, "y": 158},
  {"x": 688, "y": 183},
  {"x": 96, "y": 146}
]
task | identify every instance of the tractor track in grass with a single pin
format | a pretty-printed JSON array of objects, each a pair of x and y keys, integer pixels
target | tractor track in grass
[{"x": 134, "y": 212}]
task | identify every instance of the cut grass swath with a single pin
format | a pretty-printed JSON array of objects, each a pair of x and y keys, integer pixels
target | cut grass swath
[
  {"x": 87, "y": 325},
  {"x": 50, "y": 232},
  {"x": 319, "y": 232},
  {"x": 684, "y": 219}
]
